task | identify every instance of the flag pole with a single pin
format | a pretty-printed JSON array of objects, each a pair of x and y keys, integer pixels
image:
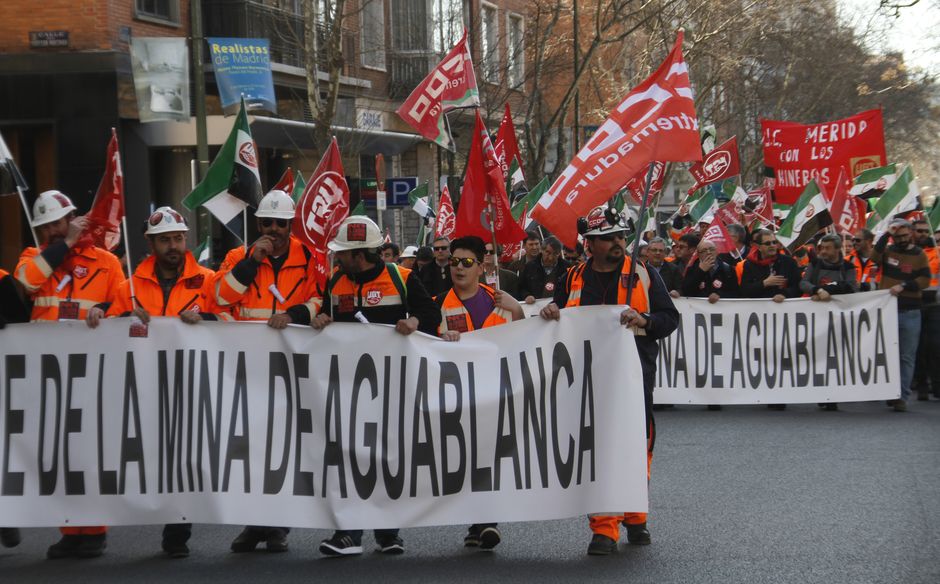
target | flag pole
[
  {"x": 635, "y": 254},
  {"x": 127, "y": 260},
  {"x": 29, "y": 217},
  {"x": 245, "y": 229},
  {"x": 489, "y": 205}
]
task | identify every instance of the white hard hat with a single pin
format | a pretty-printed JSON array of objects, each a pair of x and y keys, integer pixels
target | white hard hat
[
  {"x": 165, "y": 220},
  {"x": 51, "y": 206},
  {"x": 276, "y": 205},
  {"x": 410, "y": 252},
  {"x": 602, "y": 221},
  {"x": 357, "y": 232}
]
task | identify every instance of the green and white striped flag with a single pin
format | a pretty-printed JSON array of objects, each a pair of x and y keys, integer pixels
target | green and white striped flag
[
  {"x": 933, "y": 216},
  {"x": 201, "y": 253},
  {"x": 703, "y": 205},
  {"x": 874, "y": 179},
  {"x": 299, "y": 185},
  {"x": 900, "y": 197},
  {"x": 529, "y": 201},
  {"x": 807, "y": 216},
  {"x": 418, "y": 199}
]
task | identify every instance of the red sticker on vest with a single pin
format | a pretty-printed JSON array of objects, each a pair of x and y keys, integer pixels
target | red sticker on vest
[
  {"x": 373, "y": 297},
  {"x": 68, "y": 310},
  {"x": 907, "y": 268},
  {"x": 195, "y": 282},
  {"x": 457, "y": 322},
  {"x": 717, "y": 284},
  {"x": 549, "y": 286},
  {"x": 625, "y": 280},
  {"x": 346, "y": 303},
  {"x": 80, "y": 272}
]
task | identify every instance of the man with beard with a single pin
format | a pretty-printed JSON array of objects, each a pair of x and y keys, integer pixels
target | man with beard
[
  {"x": 65, "y": 277},
  {"x": 273, "y": 281},
  {"x": 168, "y": 283},
  {"x": 540, "y": 276},
  {"x": 863, "y": 243},
  {"x": 366, "y": 289},
  {"x": 605, "y": 280},
  {"x": 927, "y": 369}
]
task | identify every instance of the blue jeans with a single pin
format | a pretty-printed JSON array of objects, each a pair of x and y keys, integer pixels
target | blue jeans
[{"x": 908, "y": 339}]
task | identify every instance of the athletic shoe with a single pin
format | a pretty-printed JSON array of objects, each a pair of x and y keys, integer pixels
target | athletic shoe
[
  {"x": 175, "y": 549},
  {"x": 340, "y": 545},
  {"x": 391, "y": 545},
  {"x": 601, "y": 545},
  {"x": 489, "y": 538},
  {"x": 472, "y": 539}
]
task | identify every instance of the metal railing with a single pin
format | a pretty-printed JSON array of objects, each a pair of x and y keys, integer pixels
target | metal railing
[{"x": 406, "y": 70}]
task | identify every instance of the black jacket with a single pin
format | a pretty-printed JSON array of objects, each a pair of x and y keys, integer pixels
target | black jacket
[
  {"x": 720, "y": 280},
  {"x": 508, "y": 282},
  {"x": 12, "y": 307},
  {"x": 752, "y": 279},
  {"x": 435, "y": 278},
  {"x": 671, "y": 275},
  {"x": 534, "y": 282}
]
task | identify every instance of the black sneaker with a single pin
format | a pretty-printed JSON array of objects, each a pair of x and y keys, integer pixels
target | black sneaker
[
  {"x": 92, "y": 546},
  {"x": 247, "y": 540},
  {"x": 67, "y": 547},
  {"x": 340, "y": 545},
  {"x": 601, "y": 545},
  {"x": 9, "y": 537},
  {"x": 391, "y": 545},
  {"x": 489, "y": 538},
  {"x": 175, "y": 549},
  {"x": 276, "y": 540},
  {"x": 638, "y": 534},
  {"x": 472, "y": 539},
  {"x": 831, "y": 407}
]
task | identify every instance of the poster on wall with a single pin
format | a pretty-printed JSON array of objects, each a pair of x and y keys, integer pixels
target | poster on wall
[
  {"x": 243, "y": 69},
  {"x": 161, "y": 78}
]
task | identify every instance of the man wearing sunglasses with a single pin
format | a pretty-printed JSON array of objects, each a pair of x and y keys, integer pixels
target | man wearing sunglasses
[
  {"x": 863, "y": 243},
  {"x": 366, "y": 289},
  {"x": 768, "y": 272},
  {"x": 508, "y": 281},
  {"x": 273, "y": 281},
  {"x": 927, "y": 369},
  {"x": 436, "y": 275},
  {"x": 605, "y": 279}
]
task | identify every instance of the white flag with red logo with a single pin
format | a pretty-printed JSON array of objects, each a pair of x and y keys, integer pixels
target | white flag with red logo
[
  {"x": 323, "y": 206},
  {"x": 848, "y": 211},
  {"x": 449, "y": 86},
  {"x": 446, "y": 220},
  {"x": 720, "y": 163},
  {"x": 760, "y": 206},
  {"x": 718, "y": 234},
  {"x": 107, "y": 210},
  {"x": 655, "y": 122}
]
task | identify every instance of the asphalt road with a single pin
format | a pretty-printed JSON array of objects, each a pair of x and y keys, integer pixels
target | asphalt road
[{"x": 741, "y": 495}]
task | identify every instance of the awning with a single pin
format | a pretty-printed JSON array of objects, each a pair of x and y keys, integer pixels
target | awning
[{"x": 292, "y": 135}]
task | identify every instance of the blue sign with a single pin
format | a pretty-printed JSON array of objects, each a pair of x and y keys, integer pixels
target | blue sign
[
  {"x": 243, "y": 68},
  {"x": 397, "y": 189}
]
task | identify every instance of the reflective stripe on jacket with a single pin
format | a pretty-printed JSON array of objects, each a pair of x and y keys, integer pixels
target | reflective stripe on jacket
[
  {"x": 456, "y": 317},
  {"x": 639, "y": 300},
  {"x": 192, "y": 291}
]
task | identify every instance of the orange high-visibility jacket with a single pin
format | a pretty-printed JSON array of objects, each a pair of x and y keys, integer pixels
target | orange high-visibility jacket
[
  {"x": 455, "y": 317},
  {"x": 639, "y": 301},
  {"x": 192, "y": 291},
  {"x": 933, "y": 259},
  {"x": 88, "y": 276},
  {"x": 295, "y": 282},
  {"x": 867, "y": 273}
]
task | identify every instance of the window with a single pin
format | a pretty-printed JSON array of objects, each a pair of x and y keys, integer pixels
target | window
[
  {"x": 161, "y": 10},
  {"x": 489, "y": 42},
  {"x": 372, "y": 34},
  {"x": 515, "y": 52},
  {"x": 449, "y": 23},
  {"x": 411, "y": 26}
]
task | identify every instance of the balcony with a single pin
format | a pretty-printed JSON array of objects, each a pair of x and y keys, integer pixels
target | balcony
[
  {"x": 283, "y": 29},
  {"x": 407, "y": 69}
]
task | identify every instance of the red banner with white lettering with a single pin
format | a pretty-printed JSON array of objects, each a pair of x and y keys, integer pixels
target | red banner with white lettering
[
  {"x": 718, "y": 234},
  {"x": 721, "y": 163},
  {"x": 636, "y": 186},
  {"x": 848, "y": 211},
  {"x": 446, "y": 220},
  {"x": 450, "y": 85},
  {"x": 107, "y": 210},
  {"x": 799, "y": 153},
  {"x": 507, "y": 148},
  {"x": 656, "y": 121}
]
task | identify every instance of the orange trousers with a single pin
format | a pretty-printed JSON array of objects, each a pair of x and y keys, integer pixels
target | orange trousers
[
  {"x": 94, "y": 530},
  {"x": 609, "y": 525}
]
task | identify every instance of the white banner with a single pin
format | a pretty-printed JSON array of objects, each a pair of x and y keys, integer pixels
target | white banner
[
  {"x": 352, "y": 427},
  {"x": 798, "y": 351}
]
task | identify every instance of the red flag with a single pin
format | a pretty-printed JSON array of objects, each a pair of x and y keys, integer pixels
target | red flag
[
  {"x": 511, "y": 250},
  {"x": 729, "y": 213},
  {"x": 799, "y": 153},
  {"x": 107, "y": 210},
  {"x": 446, "y": 220},
  {"x": 655, "y": 122},
  {"x": 286, "y": 183},
  {"x": 388, "y": 236},
  {"x": 323, "y": 206},
  {"x": 450, "y": 85},
  {"x": 484, "y": 194},
  {"x": 760, "y": 203},
  {"x": 848, "y": 211},
  {"x": 721, "y": 163},
  {"x": 507, "y": 148},
  {"x": 718, "y": 234},
  {"x": 637, "y": 185}
]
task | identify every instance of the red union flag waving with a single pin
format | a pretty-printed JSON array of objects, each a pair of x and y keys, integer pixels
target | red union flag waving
[
  {"x": 721, "y": 163},
  {"x": 718, "y": 234},
  {"x": 107, "y": 210},
  {"x": 484, "y": 207},
  {"x": 445, "y": 223},
  {"x": 324, "y": 204},
  {"x": 637, "y": 184},
  {"x": 451, "y": 85},
  {"x": 655, "y": 122},
  {"x": 848, "y": 211}
]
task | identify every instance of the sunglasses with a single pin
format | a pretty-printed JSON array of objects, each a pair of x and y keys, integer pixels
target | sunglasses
[
  {"x": 768, "y": 243},
  {"x": 441, "y": 248},
  {"x": 857, "y": 240},
  {"x": 465, "y": 262},
  {"x": 267, "y": 222},
  {"x": 488, "y": 252},
  {"x": 922, "y": 230}
]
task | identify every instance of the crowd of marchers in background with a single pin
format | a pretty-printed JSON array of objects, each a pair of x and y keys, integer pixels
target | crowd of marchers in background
[{"x": 455, "y": 287}]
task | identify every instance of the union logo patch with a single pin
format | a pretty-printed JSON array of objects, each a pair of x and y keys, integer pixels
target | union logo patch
[
  {"x": 373, "y": 297},
  {"x": 80, "y": 271}
]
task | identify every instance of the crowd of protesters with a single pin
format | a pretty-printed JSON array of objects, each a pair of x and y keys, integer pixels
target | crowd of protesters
[{"x": 455, "y": 287}]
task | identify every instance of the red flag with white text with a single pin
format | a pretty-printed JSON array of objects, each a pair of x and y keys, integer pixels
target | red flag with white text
[
  {"x": 637, "y": 185},
  {"x": 483, "y": 201},
  {"x": 512, "y": 250},
  {"x": 107, "y": 210},
  {"x": 450, "y": 85},
  {"x": 848, "y": 211},
  {"x": 720, "y": 163},
  {"x": 446, "y": 220},
  {"x": 656, "y": 121},
  {"x": 718, "y": 234},
  {"x": 507, "y": 148}
]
